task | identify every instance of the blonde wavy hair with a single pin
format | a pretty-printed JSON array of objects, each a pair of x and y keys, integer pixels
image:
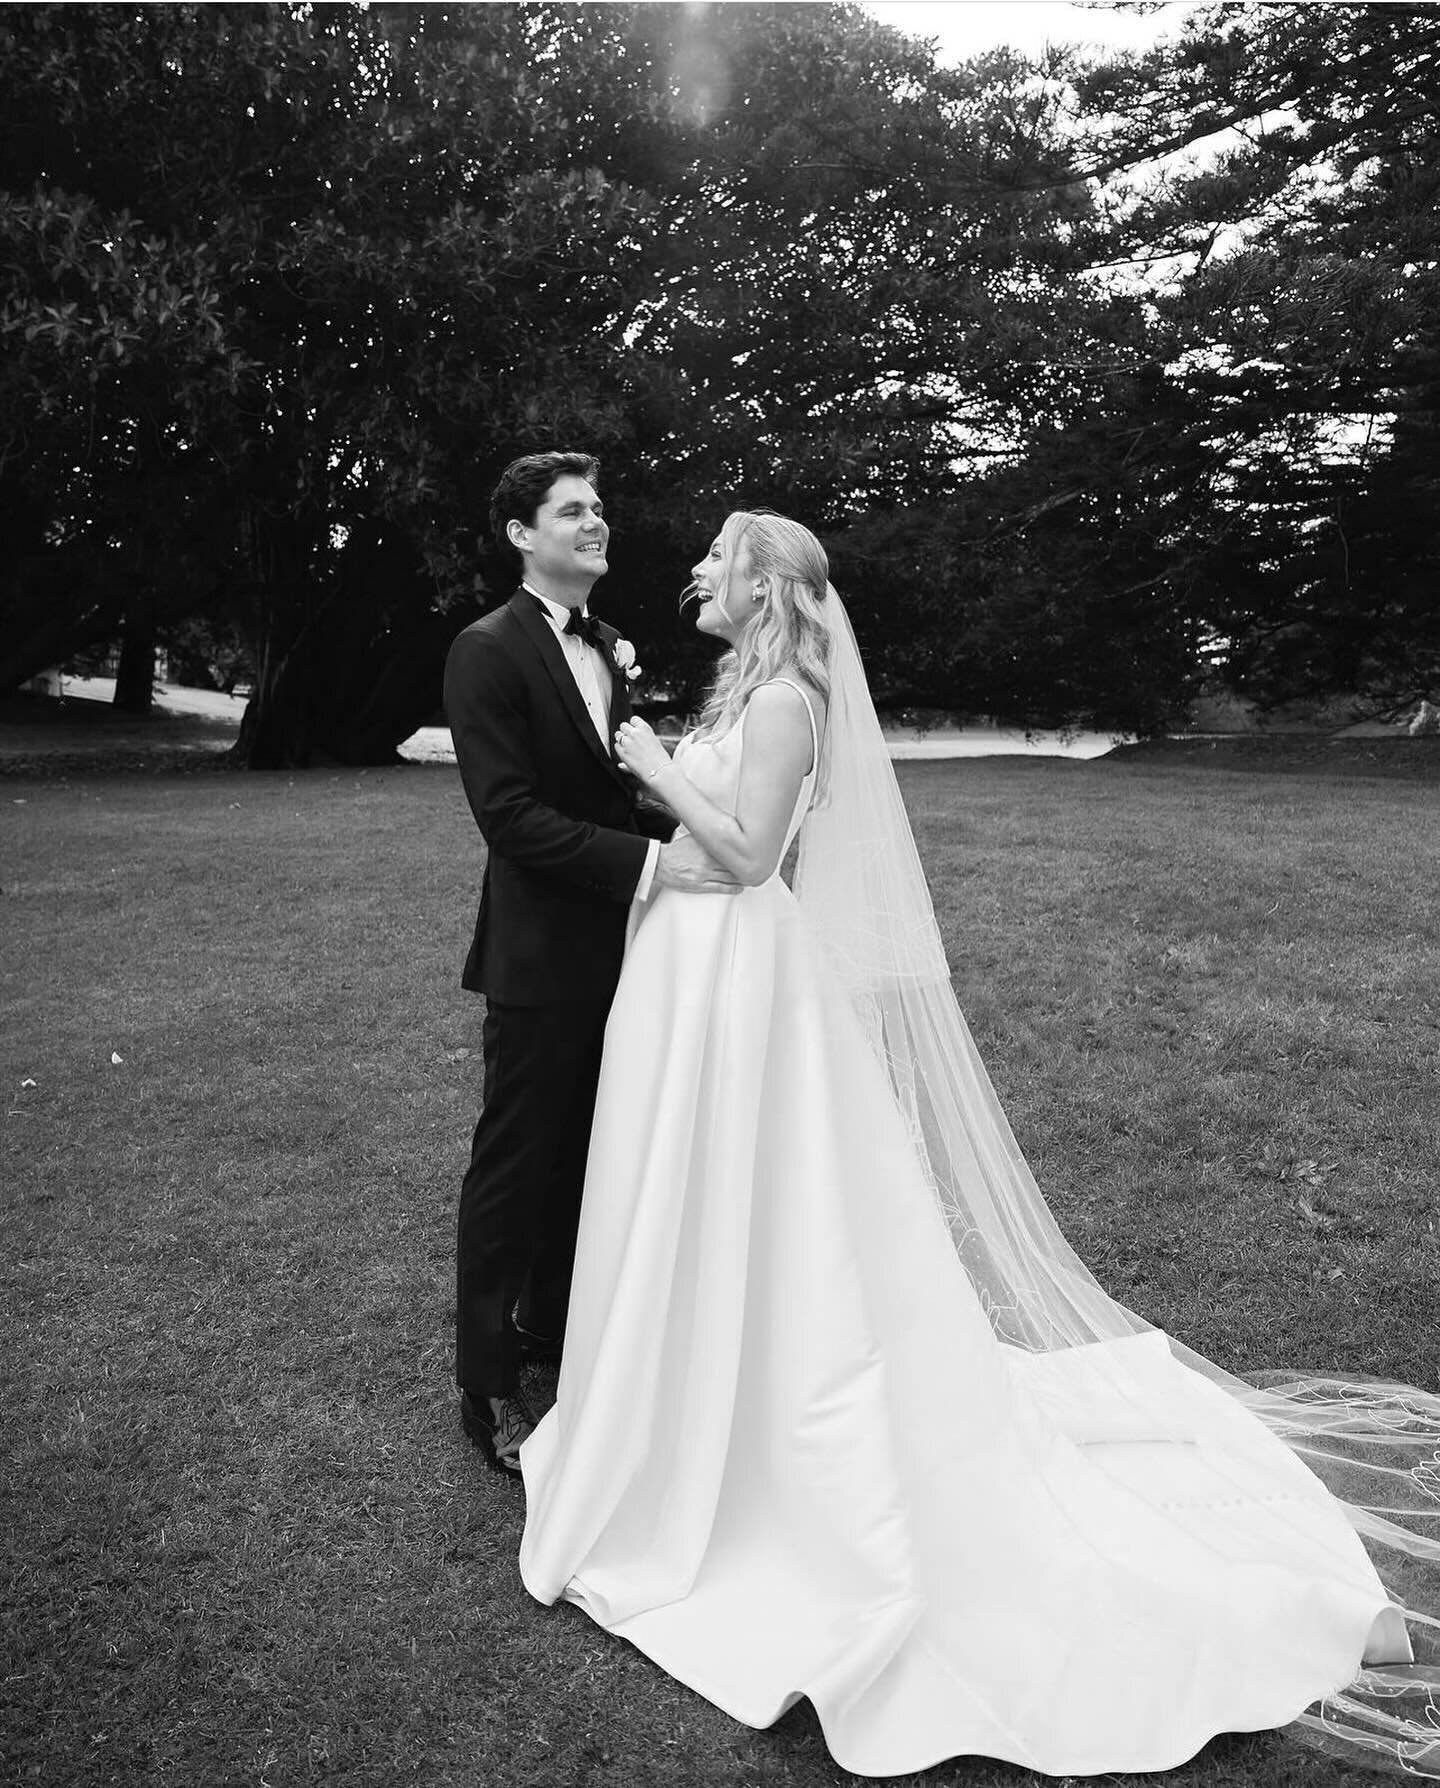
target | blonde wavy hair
[{"x": 790, "y": 634}]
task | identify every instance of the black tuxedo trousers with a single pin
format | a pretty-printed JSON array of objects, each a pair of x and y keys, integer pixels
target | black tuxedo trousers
[
  {"x": 520, "y": 1198},
  {"x": 566, "y": 848}
]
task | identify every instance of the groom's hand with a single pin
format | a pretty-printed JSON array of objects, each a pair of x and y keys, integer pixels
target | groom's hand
[{"x": 687, "y": 865}]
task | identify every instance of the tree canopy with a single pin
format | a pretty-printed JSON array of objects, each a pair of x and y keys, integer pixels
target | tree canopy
[
  {"x": 1299, "y": 331},
  {"x": 286, "y": 286}
]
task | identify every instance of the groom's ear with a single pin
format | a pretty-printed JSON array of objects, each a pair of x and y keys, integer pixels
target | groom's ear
[{"x": 515, "y": 532}]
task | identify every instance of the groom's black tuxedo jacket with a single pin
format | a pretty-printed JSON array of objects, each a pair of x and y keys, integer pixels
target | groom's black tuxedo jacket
[{"x": 567, "y": 839}]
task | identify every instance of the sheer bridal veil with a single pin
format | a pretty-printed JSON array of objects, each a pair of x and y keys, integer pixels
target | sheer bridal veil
[{"x": 1376, "y": 1446}]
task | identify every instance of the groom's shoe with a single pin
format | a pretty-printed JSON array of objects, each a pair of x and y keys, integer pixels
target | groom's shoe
[
  {"x": 499, "y": 1426},
  {"x": 533, "y": 1346}
]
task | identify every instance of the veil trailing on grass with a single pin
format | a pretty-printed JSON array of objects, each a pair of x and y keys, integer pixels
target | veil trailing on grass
[{"x": 1375, "y": 1445}]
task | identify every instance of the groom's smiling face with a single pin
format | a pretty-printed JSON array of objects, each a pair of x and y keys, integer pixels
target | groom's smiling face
[{"x": 564, "y": 548}]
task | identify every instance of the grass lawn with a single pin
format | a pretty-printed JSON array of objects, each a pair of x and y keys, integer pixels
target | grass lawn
[{"x": 243, "y": 1541}]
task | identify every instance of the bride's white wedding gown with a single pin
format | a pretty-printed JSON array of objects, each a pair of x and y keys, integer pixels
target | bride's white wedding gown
[{"x": 790, "y": 1458}]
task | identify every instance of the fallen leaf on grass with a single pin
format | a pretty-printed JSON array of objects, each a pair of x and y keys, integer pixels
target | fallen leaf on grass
[
  {"x": 28, "y": 1083},
  {"x": 1277, "y": 1164},
  {"x": 116, "y": 1061}
]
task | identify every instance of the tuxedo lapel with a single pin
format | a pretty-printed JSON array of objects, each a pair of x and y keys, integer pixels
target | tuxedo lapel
[
  {"x": 552, "y": 655},
  {"x": 619, "y": 683}
]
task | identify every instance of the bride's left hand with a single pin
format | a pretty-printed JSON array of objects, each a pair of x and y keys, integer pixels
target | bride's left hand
[{"x": 639, "y": 750}]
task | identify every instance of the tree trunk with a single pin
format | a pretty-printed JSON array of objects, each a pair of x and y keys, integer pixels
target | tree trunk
[
  {"x": 277, "y": 726},
  {"x": 135, "y": 676},
  {"x": 385, "y": 693}
]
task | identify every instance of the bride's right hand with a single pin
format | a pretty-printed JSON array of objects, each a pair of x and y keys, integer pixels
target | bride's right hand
[{"x": 639, "y": 750}]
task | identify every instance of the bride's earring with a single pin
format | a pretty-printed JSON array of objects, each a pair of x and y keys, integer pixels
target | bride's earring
[{"x": 759, "y": 595}]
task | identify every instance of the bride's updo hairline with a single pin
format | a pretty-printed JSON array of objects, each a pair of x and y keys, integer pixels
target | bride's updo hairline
[{"x": 790, "y": 635}]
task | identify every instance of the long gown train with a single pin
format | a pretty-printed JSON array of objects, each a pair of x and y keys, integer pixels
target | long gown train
[{"x": 789, "y": 1456}]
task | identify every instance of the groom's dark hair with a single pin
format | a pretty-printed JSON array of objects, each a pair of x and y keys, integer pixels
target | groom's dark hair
[{"x": 523, "y": 485}]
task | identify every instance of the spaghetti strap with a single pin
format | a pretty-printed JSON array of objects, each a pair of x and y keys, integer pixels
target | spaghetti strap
[{"x": 790, "y": 683}]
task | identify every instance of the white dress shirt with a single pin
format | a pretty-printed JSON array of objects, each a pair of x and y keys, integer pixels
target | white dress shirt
[{"x": 594, "y": 681}]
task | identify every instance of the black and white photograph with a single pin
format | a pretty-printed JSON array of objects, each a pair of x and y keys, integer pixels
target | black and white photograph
[{"x": 720, "y": 893}]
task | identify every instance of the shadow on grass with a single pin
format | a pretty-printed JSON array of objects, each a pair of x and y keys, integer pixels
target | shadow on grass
[
  {"x": 1290, "y": 754},
  {"x": 72, "y": 735}
]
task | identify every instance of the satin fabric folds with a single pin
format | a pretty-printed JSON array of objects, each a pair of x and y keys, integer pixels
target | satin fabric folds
[{"x": 790, "y": 1458}]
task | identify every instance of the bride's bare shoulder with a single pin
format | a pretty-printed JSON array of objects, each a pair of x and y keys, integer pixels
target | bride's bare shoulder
[
  {"x": 780, "y": 717},
  {"x": 799, "y": 685}
]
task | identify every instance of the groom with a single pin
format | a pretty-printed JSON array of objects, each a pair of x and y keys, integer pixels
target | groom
[{"x": 534, "y": 692}]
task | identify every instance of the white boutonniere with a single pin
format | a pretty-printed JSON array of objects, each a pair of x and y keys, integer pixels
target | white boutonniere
[{"x": 624, "y": 655}]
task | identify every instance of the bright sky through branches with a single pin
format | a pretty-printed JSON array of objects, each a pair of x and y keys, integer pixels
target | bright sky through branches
[{"x": 970, "y": 27}]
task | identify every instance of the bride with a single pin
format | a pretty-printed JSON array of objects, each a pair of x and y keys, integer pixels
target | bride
[{"x": 841, "y": 1415}]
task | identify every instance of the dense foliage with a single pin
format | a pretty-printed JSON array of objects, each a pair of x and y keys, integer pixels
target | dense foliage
[
  {"x": 284, "y": 287},
  {"x": 1299, "y": 333}
]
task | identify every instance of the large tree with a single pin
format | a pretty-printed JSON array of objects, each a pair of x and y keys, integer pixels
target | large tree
[
  {"x": 112, "y": 377},
  {"x": 1292, "y": 240},
  {"x": 351, "y": 207},
  {"x": 286, "y": 287},
  {"x": 702, "y": 242}
]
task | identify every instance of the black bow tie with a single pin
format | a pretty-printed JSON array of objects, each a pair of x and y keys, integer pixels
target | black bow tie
[{"x": 587, "y": 627}]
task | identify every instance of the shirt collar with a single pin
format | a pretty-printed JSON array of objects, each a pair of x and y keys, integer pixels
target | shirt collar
[{"x": 555, "y": 611}]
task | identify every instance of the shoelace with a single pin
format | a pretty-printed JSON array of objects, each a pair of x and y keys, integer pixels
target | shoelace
[{"x": 514, "y": 1425}]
